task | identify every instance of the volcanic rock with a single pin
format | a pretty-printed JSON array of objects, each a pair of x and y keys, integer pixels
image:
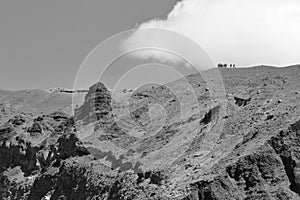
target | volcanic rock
[
  {"x": 96, "y": 106},
  {"x": 17, "y": 120},
  {"x": 58, "y": 115},
  {"x": 35, "y": 128},
  {"x": 213, "y": 148},
  {"x": 6, "y": 131}
]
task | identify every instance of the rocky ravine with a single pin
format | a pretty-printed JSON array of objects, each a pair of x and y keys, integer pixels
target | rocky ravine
[{"x": 243, "y": 146}]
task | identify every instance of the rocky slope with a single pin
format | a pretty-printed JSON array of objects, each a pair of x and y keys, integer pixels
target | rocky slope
[{"x": 186, "y": 140}]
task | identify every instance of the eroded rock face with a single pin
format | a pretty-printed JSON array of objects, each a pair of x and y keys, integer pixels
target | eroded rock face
[
  {"x": 80, "y": 178},
  {"x": 251, "y": 157},
  {"x": 21, "y": 154},
  {"x": 241, "y": 101},
  {"x": 286, "y": 146},
  {"x": 57, "y": 122},
  {"x": 210, "y": 115},
  {"x": 155, "y": 177},
  {"x": 272, "y": 172},
  {"x": 58, "y": 115},
  {"x": 35, "y": 128},
  {"x": 17, "y": 120},
  {"x": 70, "y": 146},
  {"x": 6, "y": 131},
  {"x": 97, "y": 105}
]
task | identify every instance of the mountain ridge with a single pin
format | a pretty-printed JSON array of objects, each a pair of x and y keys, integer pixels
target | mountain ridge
[{"x": 200, "y": 143}]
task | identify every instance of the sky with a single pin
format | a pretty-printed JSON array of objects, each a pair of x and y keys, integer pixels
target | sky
[
  {"x": 47, "y": 44},
  {"x": 244, "y": 32},
  {"x": 43, "y": 43}
]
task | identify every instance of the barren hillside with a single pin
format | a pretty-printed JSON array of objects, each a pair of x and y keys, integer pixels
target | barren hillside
[{"x": 200, "y": 137}]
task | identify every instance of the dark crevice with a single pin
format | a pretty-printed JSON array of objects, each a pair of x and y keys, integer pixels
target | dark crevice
[
  {"x": 241, "y": 102},
  {"x": 289, "y": 165},
  {"x": 155, "y": 177},
  {"x": 204, "y": 190},
  {"x": 278, "y": 144},
  {"x": 210, "y": 115}
]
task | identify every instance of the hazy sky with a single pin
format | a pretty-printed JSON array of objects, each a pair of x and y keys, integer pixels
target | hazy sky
[{"x": 43, "y": 43}]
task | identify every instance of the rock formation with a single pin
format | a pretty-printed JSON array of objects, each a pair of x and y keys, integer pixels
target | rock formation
[
  {"x": 96, "y": 106},
  {"x": 214, "y": 149}
]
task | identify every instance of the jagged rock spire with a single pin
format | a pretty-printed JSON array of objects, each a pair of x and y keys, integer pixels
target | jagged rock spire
[{"x": 96, "y": 106}]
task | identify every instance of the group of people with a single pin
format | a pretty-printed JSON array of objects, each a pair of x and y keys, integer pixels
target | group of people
[{"x": 225, "y": 65}]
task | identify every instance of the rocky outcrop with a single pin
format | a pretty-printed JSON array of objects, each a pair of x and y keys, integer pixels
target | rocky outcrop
[
  {"x": 69, "y": 146},
  {"x": 210, "y": 115},
  {"x": 27, "y": 156},
  {"x": 96, "y": 106},
  {"x": 35, "y": 128},
  {"x": 56, "y": 122},
  {"x": 66, "y": 125},
  {"x": 14, "y": 190},
  {"x": 69, "y": 181},
  {"x": 286, "y": 145},
  {"x": 49, "y": 143},
  {"x": 119, "y": 164},
  {"x": 272, "y": 172},
  {"x": 58, "y": 115},
  {"x": 81, "y": 178},
  {"x": 17, "y": 120},
  {"x": 241, "y": 101},
  {"x": 6, "y": 131},
  {"x": 22, "y": 154},
  {"x": 155, "y": 177}
]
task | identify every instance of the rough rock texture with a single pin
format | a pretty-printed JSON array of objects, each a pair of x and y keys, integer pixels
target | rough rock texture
[
  {"x": 6, "y": 131},
  {"x": 96, "y": 106},
  {"x": 240, "y": 145},
  {"x": 24, "y": 156},
  {"x": 20, "y": 154},
  {"x": 271, "y": 172},
  {"x": 35, "y": 128},
  {"x": 17, "y": 120}
]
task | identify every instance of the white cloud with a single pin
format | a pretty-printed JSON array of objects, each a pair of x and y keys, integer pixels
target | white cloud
[{"x": 245, "y": 32}]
